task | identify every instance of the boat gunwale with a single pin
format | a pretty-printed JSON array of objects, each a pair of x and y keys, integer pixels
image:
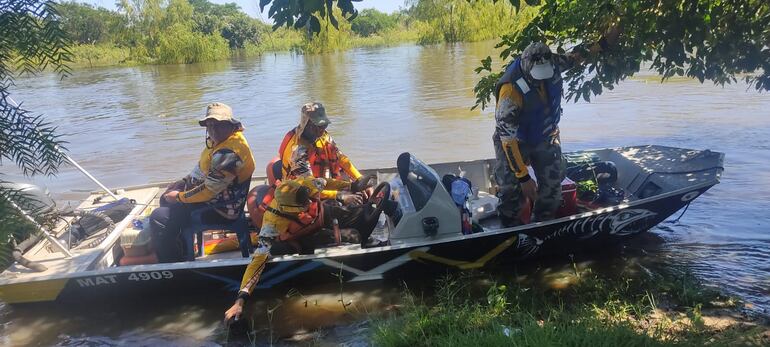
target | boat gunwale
[
  {"x": 332, "y": 252},
  {"x": 202, "y": 263}
]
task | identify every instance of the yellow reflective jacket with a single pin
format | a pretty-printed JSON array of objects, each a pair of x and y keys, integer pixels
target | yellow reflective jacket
[
  {"x": 277, "y": 225},
  {"x": 222, "y": 176}
]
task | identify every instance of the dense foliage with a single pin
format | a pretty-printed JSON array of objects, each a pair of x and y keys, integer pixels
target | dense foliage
[
  {"x": 86, "y": 24},
  {"x": 141, "y": 30},
  {"x": 32, "y": 39},
  {"x": 371, "y": 22},
  {"x": 158, "y": 31},
  {"x": 228, "y": 21},
  {"x": 464, "y": 20},
  {"x": 165, "y": 30},
  {"x": 715, "y": 40}
]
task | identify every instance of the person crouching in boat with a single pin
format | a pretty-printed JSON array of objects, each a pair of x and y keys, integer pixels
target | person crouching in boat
[
  {"x": 218, "y": 184},
  {"x": 297, "y": 221},
  {"x": 309, "y": 148}
]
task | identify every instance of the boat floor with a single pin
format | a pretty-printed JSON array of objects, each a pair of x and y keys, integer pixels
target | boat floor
[{"x": 83, "y": 259}]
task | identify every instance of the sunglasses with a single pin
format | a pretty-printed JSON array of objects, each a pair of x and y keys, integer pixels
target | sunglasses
[
  {"x": 539, "y": 57},
  {"x": 321, "y": 127}
]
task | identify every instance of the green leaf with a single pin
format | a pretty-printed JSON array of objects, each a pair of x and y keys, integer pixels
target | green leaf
[
  {"x": 315, "y": 25},
  {"x": 262, "y": 4},
  {"x": 302, "y": 20}
]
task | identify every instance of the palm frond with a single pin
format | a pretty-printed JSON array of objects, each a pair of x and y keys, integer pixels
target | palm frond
[
  {"x": 28, "y": 140},
  {"x": 31, "y": 39}
]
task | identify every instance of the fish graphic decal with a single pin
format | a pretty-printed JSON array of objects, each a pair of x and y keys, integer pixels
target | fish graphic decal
[
  {"x": 619, "y": 223},
  {"x": 630, "y": 221}
]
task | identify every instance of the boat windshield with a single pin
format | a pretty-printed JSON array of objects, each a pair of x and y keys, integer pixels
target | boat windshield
[{"x": 419, "y": 178}]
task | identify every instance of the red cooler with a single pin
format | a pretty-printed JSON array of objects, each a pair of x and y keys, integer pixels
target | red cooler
[
  {"x": 568, "y": 204},
  {"x": 568, "y": 198}
]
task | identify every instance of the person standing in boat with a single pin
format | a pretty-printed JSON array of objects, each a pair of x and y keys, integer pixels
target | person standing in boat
[
  {"x": 527, "y": 115},
  {"x": 219, "y": 184},
  {"x": 309, "y": 148}
]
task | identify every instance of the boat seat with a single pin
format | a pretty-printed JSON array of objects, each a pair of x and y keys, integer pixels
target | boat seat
[{"x": 196, "y": 227}]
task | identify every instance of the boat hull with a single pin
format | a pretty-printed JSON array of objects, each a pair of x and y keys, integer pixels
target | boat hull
[{"x": 574, "y": 234}]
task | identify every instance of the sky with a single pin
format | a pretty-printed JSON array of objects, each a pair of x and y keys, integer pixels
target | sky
[{"x": 251, "y": 7}]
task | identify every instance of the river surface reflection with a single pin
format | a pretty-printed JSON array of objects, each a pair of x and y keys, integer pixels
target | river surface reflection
[{"x": 136, "y": 125}]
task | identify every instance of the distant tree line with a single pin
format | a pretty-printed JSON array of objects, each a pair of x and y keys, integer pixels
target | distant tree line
[
  {"x": 166, "y": 31},
  {"x": 186, "y": 31}
]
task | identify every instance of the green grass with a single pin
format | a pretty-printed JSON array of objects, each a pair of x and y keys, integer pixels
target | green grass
[
  {"x": 197, "y": 49},
  {"x": 87, "y": 56},
  {"x": 281, "y": 40},
  {"x": 666, "y": 308},
  {"x": 388, "y": 38}
]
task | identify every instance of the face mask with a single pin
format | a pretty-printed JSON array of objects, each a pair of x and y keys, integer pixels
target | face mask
[
  {"x": 209, "y": 141},
  {"x": 537, "y": 65}
]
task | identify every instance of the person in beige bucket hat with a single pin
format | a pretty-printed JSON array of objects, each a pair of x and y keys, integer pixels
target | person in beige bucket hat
[
  {"x": 220, "y": 112},
  {"x": 219, "y": 123},
  {"x": 218, "y": 185}
]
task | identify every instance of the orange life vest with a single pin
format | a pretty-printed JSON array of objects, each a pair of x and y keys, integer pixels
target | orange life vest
[
  {"x": 321, "y": 159},
  {"x": 304, "y": 224},
  {"x": 258, "y": 202}
]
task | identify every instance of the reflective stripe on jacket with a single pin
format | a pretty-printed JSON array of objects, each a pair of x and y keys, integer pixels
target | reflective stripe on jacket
[
  {"x": 222, "y": 176},
  {"x": 323, "y": 156}
]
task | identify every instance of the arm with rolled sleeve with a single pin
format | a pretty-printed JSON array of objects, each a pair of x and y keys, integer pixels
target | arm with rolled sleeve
[
  {"x": 333, "y": 186},
  {"x": 507, "y": 112},
  {"x": 223, "y": 171}
]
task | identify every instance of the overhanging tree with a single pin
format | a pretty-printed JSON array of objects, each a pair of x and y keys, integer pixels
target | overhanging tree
[
  {"x": 716, "y": 40},
  {"x": 31, "y": 40}
]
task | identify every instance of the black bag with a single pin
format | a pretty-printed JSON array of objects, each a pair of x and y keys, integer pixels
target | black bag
[
  {"x": 91, "y": 222},
  {"x": 604, "y": 172}
]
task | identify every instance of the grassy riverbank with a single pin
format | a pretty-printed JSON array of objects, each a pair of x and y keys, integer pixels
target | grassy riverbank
[
  {"x": 638, "y": 308},
  {"x": 88, "y": 56}
]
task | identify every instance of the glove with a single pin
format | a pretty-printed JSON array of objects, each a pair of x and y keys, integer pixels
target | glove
[
  {"x": 362, "y": 183},
  {"x": 350, "y": 199}
]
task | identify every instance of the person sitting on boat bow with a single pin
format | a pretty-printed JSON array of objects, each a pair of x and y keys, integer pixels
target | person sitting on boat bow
[
  {"x": 297, "y": 220},
  {"x": 219, "y": 184},
  {"x": 309, "y": 148}
]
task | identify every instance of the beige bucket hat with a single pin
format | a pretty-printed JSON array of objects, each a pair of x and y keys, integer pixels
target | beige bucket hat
[{"x": 221, "y": 112}]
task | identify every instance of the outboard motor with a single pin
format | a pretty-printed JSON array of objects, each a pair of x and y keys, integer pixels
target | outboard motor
[{"x": 38, "y": 201}]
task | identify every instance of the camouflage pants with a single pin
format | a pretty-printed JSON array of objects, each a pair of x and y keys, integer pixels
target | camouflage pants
[{"x": 547, "y": 163}]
